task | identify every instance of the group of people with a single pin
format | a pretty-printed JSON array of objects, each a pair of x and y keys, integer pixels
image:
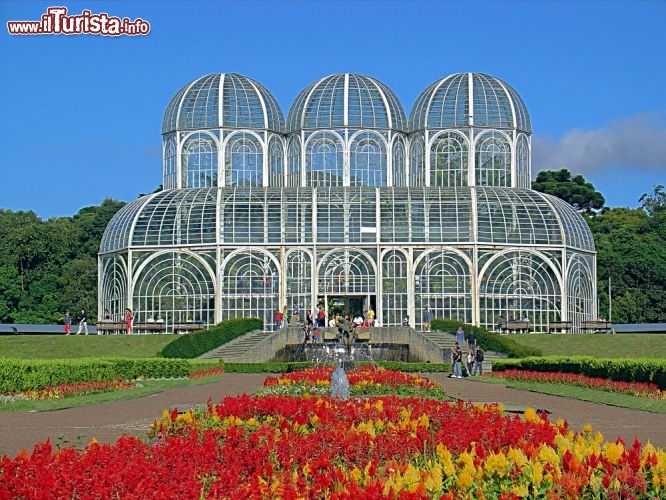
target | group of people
[
  {"x": 475, "y": 355},
  {"x": 292, "y": 317},
  {"x": 82, "y": 320}
]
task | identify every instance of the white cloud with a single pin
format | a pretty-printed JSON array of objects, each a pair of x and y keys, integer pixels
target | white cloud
[{"x": 637, "y": 142}]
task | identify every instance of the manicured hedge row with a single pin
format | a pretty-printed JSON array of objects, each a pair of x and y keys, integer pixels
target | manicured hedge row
[
  {"x": 19, "y": 375},
  {"x": 489, "y": 341},
  {"x": 620, "y": 369},
  {"x": 193, "y": 345}
]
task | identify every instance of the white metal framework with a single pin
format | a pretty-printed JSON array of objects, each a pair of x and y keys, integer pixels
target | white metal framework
[{"x": 348, "y": 199}]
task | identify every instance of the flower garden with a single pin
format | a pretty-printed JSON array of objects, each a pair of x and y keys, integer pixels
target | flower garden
[{"x": 396, "y": 437}]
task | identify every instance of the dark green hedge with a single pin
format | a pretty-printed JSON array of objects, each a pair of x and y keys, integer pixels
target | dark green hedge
[
  {"x": 193, "y": 345},
  {"x": 489, "y": 341},
  {"x": 620, "y": 369},
  {"x": 19, "y": 375}
]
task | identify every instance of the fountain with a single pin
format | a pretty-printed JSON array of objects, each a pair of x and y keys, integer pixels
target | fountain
[{"x": 339, "y": 384}]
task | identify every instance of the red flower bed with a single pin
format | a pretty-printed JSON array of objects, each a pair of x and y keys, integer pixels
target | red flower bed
[{"x": 639, "y": 389}]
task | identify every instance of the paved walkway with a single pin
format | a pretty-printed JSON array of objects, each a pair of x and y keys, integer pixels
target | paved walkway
[{"x": 108, "y": 421}]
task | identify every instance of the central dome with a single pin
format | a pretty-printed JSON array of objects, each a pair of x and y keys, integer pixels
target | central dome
[{"x": 346, "y": 100}]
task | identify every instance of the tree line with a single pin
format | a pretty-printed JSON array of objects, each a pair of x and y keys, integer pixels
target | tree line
[{"x": 50, "y": 266}]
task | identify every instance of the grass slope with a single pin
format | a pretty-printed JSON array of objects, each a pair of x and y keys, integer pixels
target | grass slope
[
  {"x": 82, "y": 346},
  {"x": 599, "y": 346}
]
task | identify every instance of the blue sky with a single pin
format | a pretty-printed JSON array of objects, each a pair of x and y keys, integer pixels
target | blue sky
[{"x": 81, "y": 115}]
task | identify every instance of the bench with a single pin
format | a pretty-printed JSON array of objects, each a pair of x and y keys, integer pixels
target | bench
[
  {"x": 515, "y": 326},
  {"x": 598, "y": 326},
  {"x": 565, "y": 326},
  {"x": 330, "y": 335},
  {"x": 150, "y": 327},
  {"x": 187, "y": 327},
  {"x": 106, "y": 327}
]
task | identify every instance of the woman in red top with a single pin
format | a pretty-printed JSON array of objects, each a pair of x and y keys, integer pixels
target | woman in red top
[
  {"x": 128, "y": 320},
  {"x": 278, "y": 318}
]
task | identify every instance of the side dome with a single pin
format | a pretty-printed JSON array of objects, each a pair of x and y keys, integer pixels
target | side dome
[
  {"x": 346, "y": 100},
  {"x": 169, "y": 217},
  {"x": 225, "y": 100},
  {"x": 446, "y": 104}
]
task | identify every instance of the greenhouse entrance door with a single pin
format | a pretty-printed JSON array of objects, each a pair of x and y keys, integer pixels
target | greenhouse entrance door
[{"x": 348, "y": 304}]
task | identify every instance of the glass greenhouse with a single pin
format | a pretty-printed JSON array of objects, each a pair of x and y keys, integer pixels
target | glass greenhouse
[{"x": 348, "y": 201}]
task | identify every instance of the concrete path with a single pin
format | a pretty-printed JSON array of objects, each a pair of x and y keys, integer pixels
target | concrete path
[{"x": 108, "y": 421}]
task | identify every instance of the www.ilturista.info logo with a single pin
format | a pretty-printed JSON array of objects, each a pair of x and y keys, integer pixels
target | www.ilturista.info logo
[{"x": 57, "y": 22}]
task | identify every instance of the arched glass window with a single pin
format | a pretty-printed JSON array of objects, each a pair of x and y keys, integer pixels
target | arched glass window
[
  {"x": 176, "y": 288},
  {"x": 442, "y": 282},
  {"x": 276, "y": 163},
  {"x": 169, "y": 173},
  {"x": 398, "y": 167},
  {"x": 250, "y": 287},
  {"x": 199, "y": 161},
  {"x": 416, "y": 163},
  {"x": 346, "y": 272},
  {"x": 244, "y": 161},
  {"x": 493, "y": 160},
  {"x": 294, "y": 163},
  {"x": 394, "y": 288},
  {"x": 114, "y": 287},
  {"x": 519, "y": 285},
  {"x": 523, "y": 163},
  {"x": 299, "y": 280},
  {"x": 323, "y": 158},
  {"x": 367, "y": 161},
  {"x": 580, "y": 289},
  {"x": 448, "y": 160}
]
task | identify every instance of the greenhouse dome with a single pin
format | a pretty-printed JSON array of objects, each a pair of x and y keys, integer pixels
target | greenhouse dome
[
  {"x": 344, "y": 204},
  {"x": 226, "y": 100}
]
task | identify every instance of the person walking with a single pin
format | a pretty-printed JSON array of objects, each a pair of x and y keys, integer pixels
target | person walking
[
  {"x": 67, "y": 322},
  {"x": 456, "y": 358},
  {"x": 129, "y": 317},
  {"x": 478, "y": 362},
  {"x": 82, "y": 319},
  {"x": 471, "y": 340},
  {"x": 427, "y": 319},
  {"x": 460, "y": 337},
  {"x": 470, "y": 362}
]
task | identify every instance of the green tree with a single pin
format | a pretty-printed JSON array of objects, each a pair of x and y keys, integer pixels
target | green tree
[
  {"x": 575, "y": 190},
  {"x": 654, "y": 203}
]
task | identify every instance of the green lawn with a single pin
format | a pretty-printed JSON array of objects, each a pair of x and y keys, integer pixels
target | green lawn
[
  {"x": 599, "y": 346},
  {"x": 82, "y": 346}
]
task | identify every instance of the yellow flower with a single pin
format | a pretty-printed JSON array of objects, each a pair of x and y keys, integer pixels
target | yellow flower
[
  {"x": 465, "y": 478},
  {"x": 613, "y": 452},
  {"x": 587, "y": 429},
  {"x": 379, "y": 405},
  {"x": 355, "y": 474},
  {"x": 518, "y": 458},
  {"x": 537, "y": 474},
  {"x": 496, "y": 463},
  {"x": 520, "y": 490},
  {"x": 412, "y": 477},
  {"x": 306, "y": 469},
  {"x": 531, "y": 415}
]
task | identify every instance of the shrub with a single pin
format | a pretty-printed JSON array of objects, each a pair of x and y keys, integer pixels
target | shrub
[
  {"x": 622, "y": 369},
  {"x": 193, "y": 345},
  {"x": 19, "y": 375}
]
